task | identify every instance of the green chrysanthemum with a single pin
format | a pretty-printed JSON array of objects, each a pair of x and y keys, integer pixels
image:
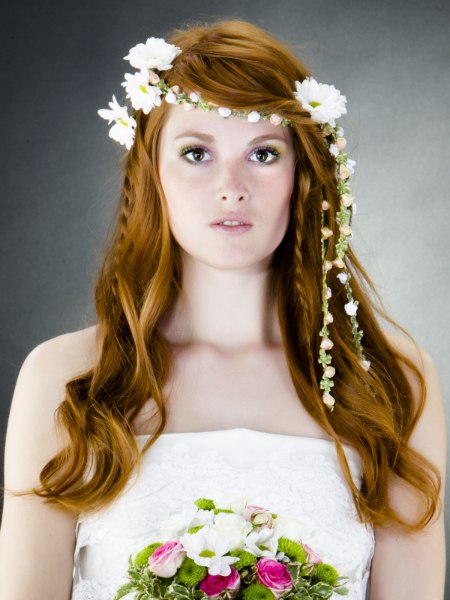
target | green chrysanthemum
[
  {"x": 143, "y": 556},
  {"x": 326, "y": 573},
  {"x": 190, "y": 573},
  {"x": 205, "y": 504},
  {"x": 293, "y": 550},
  {"x": 246, "y": 559},
  {"x": 257, "y": 591}
]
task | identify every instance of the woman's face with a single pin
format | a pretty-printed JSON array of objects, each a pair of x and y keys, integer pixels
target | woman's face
[{"x": 214, "y": 169}]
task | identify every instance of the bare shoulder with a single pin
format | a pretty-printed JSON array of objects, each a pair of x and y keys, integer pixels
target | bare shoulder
[
  {"x": 66, "y": 354},
  {"x": 430, "y": 433},
  {"x": 39, "y": 390},
  {"x": 421, "y": 359}
]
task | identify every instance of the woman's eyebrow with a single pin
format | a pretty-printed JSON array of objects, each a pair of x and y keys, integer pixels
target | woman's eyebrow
[{"x": 210, "y": 138}]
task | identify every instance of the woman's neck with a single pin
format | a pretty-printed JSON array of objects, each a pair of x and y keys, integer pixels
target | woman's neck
[{"x": 228, "y": 309}]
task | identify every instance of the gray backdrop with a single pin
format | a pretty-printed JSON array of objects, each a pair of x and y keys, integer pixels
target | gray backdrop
[{"x": 63, "y": 60}]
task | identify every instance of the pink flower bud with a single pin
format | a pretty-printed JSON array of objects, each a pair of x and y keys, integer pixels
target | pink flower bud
[
  {"x": 329, "y": 372},
  {"x": 347, "y": 200},
  {"x": 326, "y": 344},
  {"x": 345, "y": 229},
  {"x": 329, "y": 318},
  {"x": 313, "y": 557},
  {"x": 344, "y": 172},
  {"x": 258, "y": 516},
  {"x": 341, "y": 142},
  {"x": 328, "y": 400},
  {"x": 275, "y": 119},
  {"x": 325, "y": 205},
  {"x": 326, "y": 232},
  {"x": 153, "y": 77},
  {"x": 338, "y": 262}
]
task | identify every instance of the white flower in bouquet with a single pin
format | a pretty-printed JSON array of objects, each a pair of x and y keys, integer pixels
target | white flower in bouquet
[
  {"x": 207, "y": 548},
  {"x": 323, "y": 101},
  {"x": 262, "y": 542},
  {"x": 289, "y": 527},
  {"x": 156, "y": 53},
  {"x": 232, "y": 527},
  {"x": 236, "y": 502},
  {"x": 177, "y": 525}
]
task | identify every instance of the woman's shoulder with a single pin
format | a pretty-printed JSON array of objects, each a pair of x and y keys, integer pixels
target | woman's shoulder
[
  {"x": 66, "y": 354},
  {"x": 41, "y": 385},
  {"x": 430, "y": 432}
]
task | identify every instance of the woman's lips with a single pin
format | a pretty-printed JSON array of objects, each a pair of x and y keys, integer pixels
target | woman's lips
[
  {"x": 231, "y": 229},
  {"x": 237, "y": 223}
]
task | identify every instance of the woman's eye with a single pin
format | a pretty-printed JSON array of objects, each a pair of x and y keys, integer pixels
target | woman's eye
[
  {"x": 195, "y": 155},
  {"x": 265, "y": 155}
]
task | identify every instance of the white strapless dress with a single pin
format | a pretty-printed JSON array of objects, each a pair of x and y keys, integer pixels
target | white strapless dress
[{"x": 290, "y": 475}]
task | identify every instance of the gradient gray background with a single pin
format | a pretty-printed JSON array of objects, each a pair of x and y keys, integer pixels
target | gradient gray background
[{"x": 63, "y": 60}]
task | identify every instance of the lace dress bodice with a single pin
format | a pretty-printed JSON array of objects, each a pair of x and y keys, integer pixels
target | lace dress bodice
[{"x": 291, "y": 475}]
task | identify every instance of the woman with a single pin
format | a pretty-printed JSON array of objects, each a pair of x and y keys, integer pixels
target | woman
[{"x": 228, "y": 288}]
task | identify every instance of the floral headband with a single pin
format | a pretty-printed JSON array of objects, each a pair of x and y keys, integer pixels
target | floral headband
[{"x": 146, "y": 88}]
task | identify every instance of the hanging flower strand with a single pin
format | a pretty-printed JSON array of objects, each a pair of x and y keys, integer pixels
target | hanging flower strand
[{"x": 325, "y": 104}]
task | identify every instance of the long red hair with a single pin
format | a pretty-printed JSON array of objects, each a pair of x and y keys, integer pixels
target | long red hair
[{"x": 236, "y": 64}]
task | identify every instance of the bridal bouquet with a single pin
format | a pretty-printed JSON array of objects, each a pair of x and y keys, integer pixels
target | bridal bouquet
[{"x": 240, "y": 551}]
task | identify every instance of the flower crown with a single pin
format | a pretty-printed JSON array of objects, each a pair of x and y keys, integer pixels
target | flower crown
[{"x": 145, "y": 89}]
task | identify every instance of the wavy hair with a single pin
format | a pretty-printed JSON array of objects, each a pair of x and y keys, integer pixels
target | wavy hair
[{"x": 236, "y": 64}]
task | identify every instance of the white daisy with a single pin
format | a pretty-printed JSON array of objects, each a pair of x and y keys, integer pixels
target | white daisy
[
  {"x": 156, "y": 53},
  {"x": 124, "y": 126},
  {"x": 143, "y": 96},
  {"x": 207, "y": 548},
  {"x": 323, "y": 101}
]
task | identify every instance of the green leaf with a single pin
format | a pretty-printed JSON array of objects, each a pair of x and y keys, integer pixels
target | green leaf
[
  {"x": 124, "y": 590},
  {"x": 321, "y": 590},
  {"x": 341, "y": 591}
]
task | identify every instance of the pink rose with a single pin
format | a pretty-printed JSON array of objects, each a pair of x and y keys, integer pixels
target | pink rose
[
  {"x": 313, "y": 557},
  {"x": 274, "y": 575},
  {"x": 166, "y": 559},
  {"x": 213, "y": 585},
  {"x": 258, "y": 516}
]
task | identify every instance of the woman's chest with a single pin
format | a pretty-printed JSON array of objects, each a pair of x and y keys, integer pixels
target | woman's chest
[{"x": 208, "y": 390}]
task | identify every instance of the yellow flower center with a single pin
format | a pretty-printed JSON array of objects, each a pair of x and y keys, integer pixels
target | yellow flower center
[
  {"x": 207, "y": 553},
  {"x": 314, "y": 104}
]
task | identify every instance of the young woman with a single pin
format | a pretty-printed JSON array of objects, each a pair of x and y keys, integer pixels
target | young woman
[{"x": 237, "y": 349}]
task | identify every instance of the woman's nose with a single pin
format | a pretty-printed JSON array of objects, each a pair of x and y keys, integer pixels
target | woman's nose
[{"x": 232, "y": 186}]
